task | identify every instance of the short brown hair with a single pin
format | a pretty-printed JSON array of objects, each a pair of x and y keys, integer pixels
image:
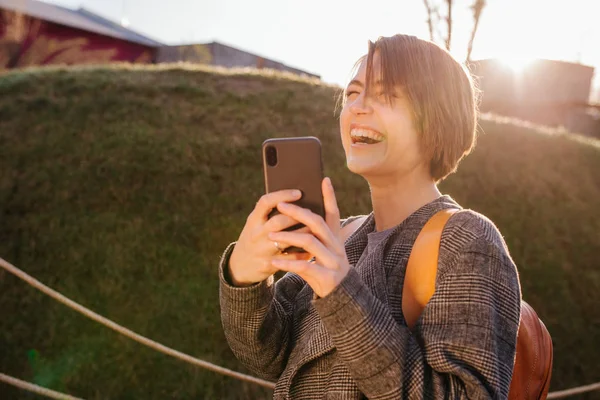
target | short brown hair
[{"x": 440, "y": 90}]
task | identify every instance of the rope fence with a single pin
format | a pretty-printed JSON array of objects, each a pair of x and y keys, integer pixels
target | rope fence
[
  {"x": 126, "y": 332},
  {"x": 574, "y": 391},
  {"x": 164, "y": 349},
  {"x": 35, "y": 388}
]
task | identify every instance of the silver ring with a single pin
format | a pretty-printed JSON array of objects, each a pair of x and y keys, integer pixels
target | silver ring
[{"x": 278, "y": 248}]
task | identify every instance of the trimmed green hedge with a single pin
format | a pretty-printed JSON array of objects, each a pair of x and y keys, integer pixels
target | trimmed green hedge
[{"x": 120, "y": 187}]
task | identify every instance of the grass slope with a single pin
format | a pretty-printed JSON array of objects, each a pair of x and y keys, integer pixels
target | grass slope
[{"x": 120, "y": 187}]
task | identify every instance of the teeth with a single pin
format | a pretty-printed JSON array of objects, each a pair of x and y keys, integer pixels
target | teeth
[{"x": 366, "y": 133}]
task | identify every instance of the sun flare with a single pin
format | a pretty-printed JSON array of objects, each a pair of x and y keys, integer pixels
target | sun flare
[{"x": 517, "y": 64}]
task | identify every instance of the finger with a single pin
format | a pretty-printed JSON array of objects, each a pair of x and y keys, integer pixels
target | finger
[
  {"x": 271, "y": 247},
  {"x": 307, "y": 270},
  {"x": 290, "y": 256},
  {"x": 304, "y": 229},
  {"x": 314, "y": 222},
  {"x": 269, "y": 201},
  {"x": 305, "y": 256},
  {"x": 309, "y": 243},
  {"x": 332, "y": 212},
  {"x": 279, "y": 222}
]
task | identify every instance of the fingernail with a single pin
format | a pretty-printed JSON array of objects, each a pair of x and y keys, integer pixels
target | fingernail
[{"x": 296, "y": 193}]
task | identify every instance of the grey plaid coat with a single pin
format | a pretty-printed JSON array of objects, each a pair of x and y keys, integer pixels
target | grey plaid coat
[{"x": 354, "y": 343}]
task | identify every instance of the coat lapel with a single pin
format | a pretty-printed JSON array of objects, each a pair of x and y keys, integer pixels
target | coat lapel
[{"x": 319, "y": 342}]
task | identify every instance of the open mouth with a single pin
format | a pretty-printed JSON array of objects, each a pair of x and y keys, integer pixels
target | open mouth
[{"x": 365, "y": 136}]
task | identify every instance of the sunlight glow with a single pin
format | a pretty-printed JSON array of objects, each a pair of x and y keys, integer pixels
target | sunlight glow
[{"x": 517, "y": 64}]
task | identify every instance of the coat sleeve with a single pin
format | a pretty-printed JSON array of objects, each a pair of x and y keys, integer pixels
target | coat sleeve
[
  {"x": 466, "y": 337},
  {"x": 257, "y": 319}
]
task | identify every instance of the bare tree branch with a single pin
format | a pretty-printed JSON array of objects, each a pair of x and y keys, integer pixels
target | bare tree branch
[
  {"x": 435, "y": 24},
  {"x": 436, "y": 21},
  {"x": 449, "y": 24},
  {"x": 429, "y": 18},
  {"x": 438, "y": 26},
  {"x": 477, "y": 8}
]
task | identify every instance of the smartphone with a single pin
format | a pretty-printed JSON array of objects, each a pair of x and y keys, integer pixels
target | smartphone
[{"x": 295, "y": 163}]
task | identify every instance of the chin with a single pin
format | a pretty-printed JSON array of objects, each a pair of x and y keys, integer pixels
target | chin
[{"x": 361, "y": 168}]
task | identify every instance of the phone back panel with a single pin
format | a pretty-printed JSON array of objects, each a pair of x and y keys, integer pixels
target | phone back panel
[{"x": 299, "y": 166}]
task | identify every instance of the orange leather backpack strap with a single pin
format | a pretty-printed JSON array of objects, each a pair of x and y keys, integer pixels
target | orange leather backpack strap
[
  {"x": 534, "y": 353},
  {"x": 421, "y": 270}
]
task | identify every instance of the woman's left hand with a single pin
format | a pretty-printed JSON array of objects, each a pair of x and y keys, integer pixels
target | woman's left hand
[{"x": 324, "y": 243}]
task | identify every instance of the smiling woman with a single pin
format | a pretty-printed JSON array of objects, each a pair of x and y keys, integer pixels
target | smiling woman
[
  {"x": 334, "y": 326},
  {"x": 406, "y": 101}
]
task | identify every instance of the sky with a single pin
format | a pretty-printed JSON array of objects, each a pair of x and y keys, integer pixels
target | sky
[{"x": 326, "y": 37}]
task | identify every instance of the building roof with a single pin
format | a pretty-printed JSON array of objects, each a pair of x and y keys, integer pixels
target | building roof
[
  {"x": 542, "y": 62},
  {"x": 222, "y": 55},
  {"x": 80, "y": 19}
]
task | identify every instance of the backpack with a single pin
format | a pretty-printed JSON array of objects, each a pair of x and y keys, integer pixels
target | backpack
[{"x": 533, "y": 361}]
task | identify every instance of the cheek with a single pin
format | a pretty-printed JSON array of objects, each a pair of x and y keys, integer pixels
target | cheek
[
  {"x": 344, "y": 123},
  {"x": 344, "y": 115}
]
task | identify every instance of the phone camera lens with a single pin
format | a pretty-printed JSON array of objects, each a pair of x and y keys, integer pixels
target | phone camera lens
[{"x": 271, "y": 156}]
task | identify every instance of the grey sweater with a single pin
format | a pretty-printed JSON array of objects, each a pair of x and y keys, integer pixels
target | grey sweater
[{"x": 354, "y": 343}]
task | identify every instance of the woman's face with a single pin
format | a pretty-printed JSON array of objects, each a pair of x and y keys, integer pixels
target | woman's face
[{"x": 394, "y": 146}]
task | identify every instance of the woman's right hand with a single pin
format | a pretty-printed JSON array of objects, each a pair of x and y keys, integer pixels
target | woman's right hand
[{"x": 250, "y": 261}]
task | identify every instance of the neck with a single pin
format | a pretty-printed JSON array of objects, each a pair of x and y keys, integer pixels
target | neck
[{"x": 394, "y": 202}]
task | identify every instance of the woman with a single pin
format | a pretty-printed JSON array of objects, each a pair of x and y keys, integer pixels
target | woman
[{"x": 333, "y": 326}]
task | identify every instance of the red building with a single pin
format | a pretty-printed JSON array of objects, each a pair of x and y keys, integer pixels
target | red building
[{"x": 36, "y": 33}]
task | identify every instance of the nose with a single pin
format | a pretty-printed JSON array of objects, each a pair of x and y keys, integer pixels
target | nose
[{"x": 360, "y": 105}]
